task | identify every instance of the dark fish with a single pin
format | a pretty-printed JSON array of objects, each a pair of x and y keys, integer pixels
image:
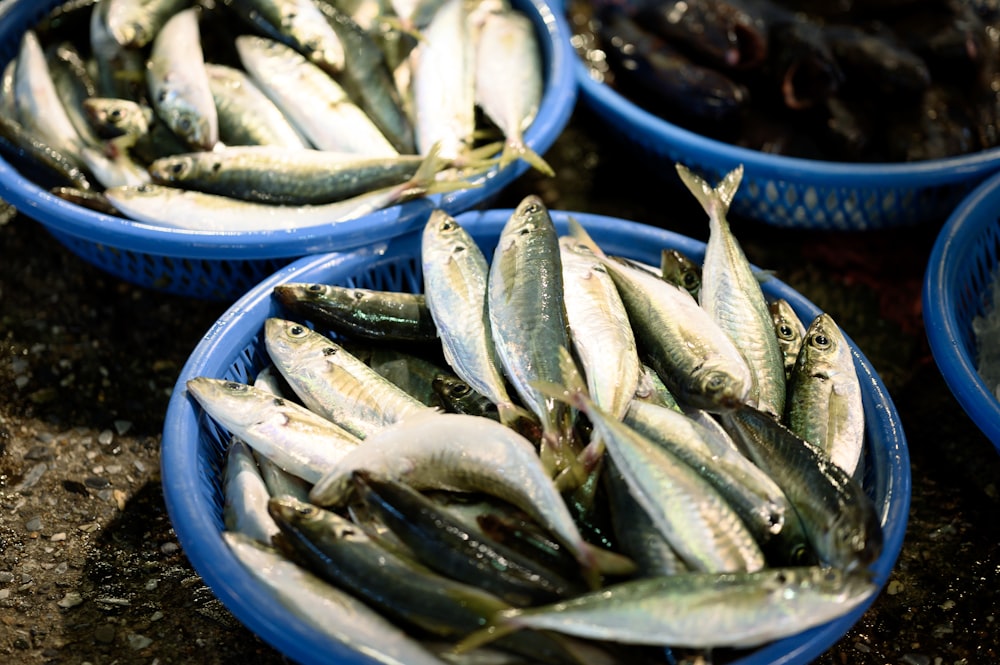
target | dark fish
[
  {"x": 721, "y": 33},
  {"x": 647, "y": 65},
  {"x": 364, "y": 313},
  {"x": 458, "y": 396},
  {"x": 444, "y": 544},
  {"x": 840, "y": 519}
]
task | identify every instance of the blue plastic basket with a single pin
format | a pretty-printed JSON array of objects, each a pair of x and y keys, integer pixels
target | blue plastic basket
[
  {"x": 789, "y": 191},
  {"x": 223, "y": 266},
  {"x": 957, "y": 287},
  {"x": 193, "y": 447}
]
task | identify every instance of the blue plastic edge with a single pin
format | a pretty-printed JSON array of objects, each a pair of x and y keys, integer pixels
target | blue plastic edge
[
  {"x": 198, "y": 533},
  {"x": 953, "y": 248}
]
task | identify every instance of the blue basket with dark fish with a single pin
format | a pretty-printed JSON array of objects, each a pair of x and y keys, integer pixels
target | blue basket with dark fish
[
  {"x": 960, "y": 298},
  {"x": 196, "y": 148},
  {"x": 520, "y": 432},
  {"x": 846, "y": 116}
]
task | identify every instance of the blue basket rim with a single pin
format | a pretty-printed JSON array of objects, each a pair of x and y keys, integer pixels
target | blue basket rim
[
  {"x": 705, "y": 151},
  {"x": 207, "y": 551},
  {"x": 556, "y": 107},
  {"x": 943, "y": 329}
]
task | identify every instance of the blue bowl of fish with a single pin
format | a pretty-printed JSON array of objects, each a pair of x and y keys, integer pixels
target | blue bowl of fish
[
  {"x": 960, "y": 306},
  {"x": 101, "y": 156},
  {"x": 347, "y": 553},
  {"x": 838, "y": 127}
]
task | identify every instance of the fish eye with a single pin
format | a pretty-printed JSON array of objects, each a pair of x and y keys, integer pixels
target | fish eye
[
  {"x": 715, "y": 381},
  {"x": 115, "y": 114},
  {"x": 460, "y": 390},
  {"x": 314, "y": 288},
  {"x": 820, "y": 341},
  {"x": 235, "y": 386},
  {"x": 305, "y": 510},
  {"x": 690, "y": 279},
  {"x": 146, "y": 188},
  {"x": 177, "y": 168},
  {"x": 297, "y": 330},
  {"x": 785, "y": 331}
]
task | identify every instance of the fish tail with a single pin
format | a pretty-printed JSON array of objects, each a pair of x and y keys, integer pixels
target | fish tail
[
  {"x": 512, "y": 415},
  {"x": 587, "y": 461},
  {"x": 501, "y": 625},
  {"x": 715, "y": 200},
  {"x": 425, "y": 180},
  {"x": 515, "y": 148}
]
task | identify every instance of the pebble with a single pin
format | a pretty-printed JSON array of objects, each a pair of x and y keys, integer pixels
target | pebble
[
  {"x": 6, "y": 577},
  {"x": 71, "y": 599},
  {"x": 915, "y": 659},
  {"x": 105, "y": 437},
  {"x": 31, "y": 478},
  {"x": 38, "y": 453},
  {"x": 34, "y": 524},
  {"x": 122, "y": 426},
  {"x": 96, "y": 482},
  {"x": 105, "y": 633},
  {"x": 58, "y": 537},
  {"x": 894, "y": 587},
  {"x": 169, "y": 548},
  {"x": 137, "y": 641}
]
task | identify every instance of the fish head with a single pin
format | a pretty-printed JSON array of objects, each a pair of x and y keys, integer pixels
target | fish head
[
  {"x": 131, "y": 34},
  {"x": 854, "y": 543},
  {"x": 285, "y": 338},
  {"x": 824, "y": 348},
  {"x": 230, "y": 403},
  {"x": 443, "y": 234},
  {"x": 175, "y": 168},
  {"x": 193, "y": 128},
  {"x": 716, "y": 389}
]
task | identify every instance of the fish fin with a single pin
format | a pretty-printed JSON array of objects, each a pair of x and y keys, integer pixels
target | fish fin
[
  {"x": 518, "y": 149},
  {"x": 499, "y": 626},
  {"x": 425, "y": 180},
  {"x": 715, "y": 200},
  {"x": 610, "y": 562},
  {"x": 511, "y": 415},
  {"x": 578, "y": 233}
]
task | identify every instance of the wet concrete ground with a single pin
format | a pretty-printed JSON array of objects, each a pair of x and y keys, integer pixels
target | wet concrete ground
[{"x": 91, "y": 572}]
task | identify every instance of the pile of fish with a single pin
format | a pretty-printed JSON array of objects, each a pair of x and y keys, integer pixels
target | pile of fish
[
  {"x": 872, "y": 81},
  {"x": 555, "y": 454},
  {"x": 263, "y": 114}
]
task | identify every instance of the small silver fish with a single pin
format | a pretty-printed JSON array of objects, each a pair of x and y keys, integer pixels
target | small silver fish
[
  {"x": 456, "y": 276},
  {"x": 431, "y": 451},
  {"x": 332, "y": 382},
  {"x": 295, "y": 438},
  {"x": 824, "y": 395},
  {"x": 178, "y": 82},
  {"x": 731, "y": 294},
  {"x": 334, "y": 613},
  {"x": 697, "y": 610}
]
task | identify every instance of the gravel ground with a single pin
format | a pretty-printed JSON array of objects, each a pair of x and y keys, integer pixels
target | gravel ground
[{"x": 90, "y": 568}]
